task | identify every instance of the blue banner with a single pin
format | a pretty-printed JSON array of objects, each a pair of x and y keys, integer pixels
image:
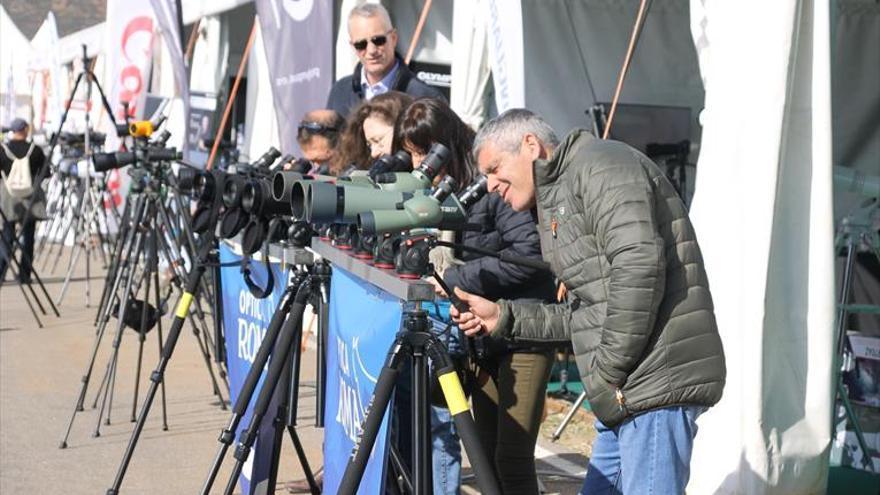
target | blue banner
[
  {"x": 363, "y": 323},
  {"x": 245, "y": 320}
]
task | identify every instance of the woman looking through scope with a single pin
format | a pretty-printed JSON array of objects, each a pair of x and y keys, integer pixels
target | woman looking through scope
[
  {"x": 508, "y": 400},
  {"x": 368, "y": 132}
]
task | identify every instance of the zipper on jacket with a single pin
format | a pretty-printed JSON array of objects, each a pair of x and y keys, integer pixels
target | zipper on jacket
[{"x": 621, "y": 400}]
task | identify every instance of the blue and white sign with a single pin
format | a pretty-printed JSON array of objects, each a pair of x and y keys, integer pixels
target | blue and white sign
[
  {"x": 363, "y": 323},
  {"x": 245, "y": 320}
]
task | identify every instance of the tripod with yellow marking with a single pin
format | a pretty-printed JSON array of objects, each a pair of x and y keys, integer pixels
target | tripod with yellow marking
[
  {"x": 205, "y": 257},
  {"x": 416, "y": 341}
]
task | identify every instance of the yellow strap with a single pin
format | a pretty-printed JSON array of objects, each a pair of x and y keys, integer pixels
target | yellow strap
[
  {"x": 183, "y": 305},
  {"x": 453, "y": 392}
]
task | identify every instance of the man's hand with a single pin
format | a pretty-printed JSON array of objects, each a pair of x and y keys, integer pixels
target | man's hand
[{"x": 482, "y": 317}]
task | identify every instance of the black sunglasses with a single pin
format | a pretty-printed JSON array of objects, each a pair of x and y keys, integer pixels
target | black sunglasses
[
  {"x": 315, "y": 128},
  {"x": 379, "y": 40}
]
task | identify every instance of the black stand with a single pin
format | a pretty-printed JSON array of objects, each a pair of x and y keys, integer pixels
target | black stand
[
  {"x": 852, "y": 235},
  {"x": 282, "y": 342},
  {"x": 88, "y": 204},
  {"x": 8, "y": 253},
  {"x": 417, "y": 342},
  {"x": 279, "y": 370},
  {"x": 202, "y": 259}
]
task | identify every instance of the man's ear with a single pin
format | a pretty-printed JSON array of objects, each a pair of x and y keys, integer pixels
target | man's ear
[{"x": 533, "y": 146}]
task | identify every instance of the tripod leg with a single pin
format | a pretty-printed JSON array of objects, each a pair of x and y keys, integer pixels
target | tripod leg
[
  {"x": 120, "y": 326},
  {"x": 287, "y": 410},
  {"x": 142, "y": 337},
  {"x": 570, "y": 414},
  {"x": 24, "y": 293},
  {"x": 301, "y": 455},
  {"x": 357, "y": 463},
  {"x": 286, "y": 338},
  {"x": 460, "y": 411},
  {"x": 7, "y": 253},
  {"x": 45, "y": 292},
  {"x": 182, "y": 311},
  {"x": 250, "y": 384},
  {"x": 421, "y": 421},
  {"x": 158, "y": 297},
  {"x": 403, "y": 480}
]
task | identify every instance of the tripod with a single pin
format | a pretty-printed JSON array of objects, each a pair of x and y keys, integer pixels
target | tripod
[
  {"x": 145, "y": 215},
  {"x": 7, "y": 251},
  {"x": 417, "y": 342},
  {"x": 203, "y": 258},
  {"x": 89, "y": 204},
  {"x": 853, "y": 233},
  {"x": 282, "y": 382}
]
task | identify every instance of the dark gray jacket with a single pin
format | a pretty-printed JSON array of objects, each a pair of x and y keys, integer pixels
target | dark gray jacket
[
  {"x": 502, "y": 230},
  {"x": 347, "y": 92},
  {"x": 639, "y": 312}
]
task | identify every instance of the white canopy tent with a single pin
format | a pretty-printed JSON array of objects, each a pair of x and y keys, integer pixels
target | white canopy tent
[{"x": 15, "y": 86}]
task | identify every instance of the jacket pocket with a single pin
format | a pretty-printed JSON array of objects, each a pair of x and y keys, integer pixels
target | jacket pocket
[{"x": 603, "y": 400}]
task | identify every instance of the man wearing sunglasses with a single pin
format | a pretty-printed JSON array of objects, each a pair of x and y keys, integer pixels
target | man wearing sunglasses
[
  {"x": 318, "y": 135},
  {"x": 380, "y": 68}
]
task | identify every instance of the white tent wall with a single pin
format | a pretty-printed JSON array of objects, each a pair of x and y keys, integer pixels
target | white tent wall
[
  {"x": 470, "y": 62},
  {"x": 261, "y": 126},
  {"x": 572, "y": 46},
  {"x": 15, "y": 53},
  {"x": 165, "y": 85},
  {"x": 762, "y": 212},
  {"x": 210, "y": 55}
]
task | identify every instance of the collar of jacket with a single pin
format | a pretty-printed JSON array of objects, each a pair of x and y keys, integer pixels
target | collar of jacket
[
  {"x": 401, "y": 80},
  {"x": 549, "y": 170}
]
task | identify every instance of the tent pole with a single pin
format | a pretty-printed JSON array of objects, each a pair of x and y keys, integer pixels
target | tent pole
[
  {"x": 633, "y": 40},
  {"x": 418, "y": 32},
  {"x": 231, "y": 99}
]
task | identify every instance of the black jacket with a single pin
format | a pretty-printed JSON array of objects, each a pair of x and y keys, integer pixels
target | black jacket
[
  {"x": 510, "y": 232},
  {"x": 347, "y": 92}
]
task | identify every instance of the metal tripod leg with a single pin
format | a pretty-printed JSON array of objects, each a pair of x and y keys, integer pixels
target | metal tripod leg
[{"x": 570, "y": 414}]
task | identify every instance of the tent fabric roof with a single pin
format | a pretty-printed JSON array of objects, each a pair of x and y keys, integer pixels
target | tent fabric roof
[{"x": 72, "y": 16}]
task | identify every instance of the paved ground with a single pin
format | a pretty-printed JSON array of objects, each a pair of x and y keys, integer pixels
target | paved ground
[{"x": 40, "y": 371}]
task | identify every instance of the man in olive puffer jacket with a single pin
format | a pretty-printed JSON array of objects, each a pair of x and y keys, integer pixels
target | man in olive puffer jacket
[{"x": 638, "y": 310}]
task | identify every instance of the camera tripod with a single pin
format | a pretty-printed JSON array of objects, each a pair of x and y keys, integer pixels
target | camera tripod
[
  {"x": 7, "y": 252},
  {"x": 72, "y": 213},
  {"x": 417, "y": 342},
  {"x": 89, "y": 205},
  {"x": 854, "y": 232},
  {"x": 147, "y": 218},
  {"x": 281, "y": 383},
  {"x": 203, "y": 258}
]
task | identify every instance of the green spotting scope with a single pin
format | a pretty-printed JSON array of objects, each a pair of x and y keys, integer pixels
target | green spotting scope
[{"x": 341, "y": 202}]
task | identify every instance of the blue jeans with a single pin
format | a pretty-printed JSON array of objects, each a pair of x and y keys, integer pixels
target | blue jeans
[{"x": 649, "y": 453}]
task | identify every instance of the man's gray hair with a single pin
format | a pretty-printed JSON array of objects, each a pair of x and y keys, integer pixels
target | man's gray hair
[
  {"x": 368, "y": 10},
  {"x": 507, "y": 130}
]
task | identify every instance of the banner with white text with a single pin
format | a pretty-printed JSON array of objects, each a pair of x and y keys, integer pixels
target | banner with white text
[
  {"x": 363, "y": 323},
  {"x": 245, "y": 320},
  {"x": 298, "y": 37}
]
